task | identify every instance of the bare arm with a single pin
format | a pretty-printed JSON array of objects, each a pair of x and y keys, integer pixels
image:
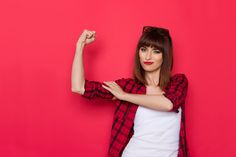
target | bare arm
[
  {"x": 165, "y": 101},
  {"x": 156, "y": 102},
  {"x": 170, "y": 100},
  {"x": 77, "y": 74}
]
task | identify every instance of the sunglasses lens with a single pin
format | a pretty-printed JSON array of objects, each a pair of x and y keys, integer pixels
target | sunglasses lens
[
  {"x": 149, "y": 28},
  {"x": 146, "y": 28}
]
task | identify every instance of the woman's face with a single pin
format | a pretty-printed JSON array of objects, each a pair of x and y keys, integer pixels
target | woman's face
[{"x": 150, "y": 55}]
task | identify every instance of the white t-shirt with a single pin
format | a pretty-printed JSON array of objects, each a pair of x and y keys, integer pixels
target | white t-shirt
[{"x": 156, "y": 133}]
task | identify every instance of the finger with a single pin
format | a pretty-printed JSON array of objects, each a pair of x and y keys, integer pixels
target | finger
[
  {"x": 115, "y": 85},
  {"x": 106, "y": 88},
  {"x": 88, "y": 33},
  {"x": 91, "y": 39},
  {"x": 85, "y": 32},
  {"x": 112, "y": 82},
  {"x": 91, "y": 34},
  {"x": 111, "y": 85},
  {"x": 108, "y": 83}
]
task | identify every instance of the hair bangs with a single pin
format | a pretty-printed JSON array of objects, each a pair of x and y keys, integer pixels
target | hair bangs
[{"x": 152, "y": 41}]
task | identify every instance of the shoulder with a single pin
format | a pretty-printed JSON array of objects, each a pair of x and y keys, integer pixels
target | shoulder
[
  {"x": 177, "y": 80},
  {"x": 179, "y": 77},
  {"x": 178, "y": 83},
  {"x": 127, "y": 83},
  {"x": 123, "y": 80}
]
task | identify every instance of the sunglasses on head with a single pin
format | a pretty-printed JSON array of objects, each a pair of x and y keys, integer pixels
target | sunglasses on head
[{"x": 151, "y": 28}]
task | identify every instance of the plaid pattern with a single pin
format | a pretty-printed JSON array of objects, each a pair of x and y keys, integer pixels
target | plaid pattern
[{"x": 122, "y": 127}]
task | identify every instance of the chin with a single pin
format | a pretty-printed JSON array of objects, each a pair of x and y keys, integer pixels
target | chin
[{"x": 150, "y": 69}]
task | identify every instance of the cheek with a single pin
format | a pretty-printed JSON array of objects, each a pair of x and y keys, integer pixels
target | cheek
[
  {"x": 140, "y": 56},
  {"x": 159, "y": 59}
]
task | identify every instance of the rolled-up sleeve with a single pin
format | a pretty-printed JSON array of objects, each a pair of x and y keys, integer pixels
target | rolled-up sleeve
[
  {"x": 94, "y": 89},
  {"x": 177, "y": 91}
]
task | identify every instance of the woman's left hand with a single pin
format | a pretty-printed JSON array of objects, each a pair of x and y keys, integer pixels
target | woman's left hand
[{"x": 115, "y": 89}]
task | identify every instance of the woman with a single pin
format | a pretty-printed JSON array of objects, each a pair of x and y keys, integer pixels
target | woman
[{"x": 149, "y": 115}]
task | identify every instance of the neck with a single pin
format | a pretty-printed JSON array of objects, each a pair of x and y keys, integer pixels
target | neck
[{"x": 153, "y": 77}]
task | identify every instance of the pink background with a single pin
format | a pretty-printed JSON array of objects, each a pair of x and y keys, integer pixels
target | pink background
[{"x": 41, "y": 117}]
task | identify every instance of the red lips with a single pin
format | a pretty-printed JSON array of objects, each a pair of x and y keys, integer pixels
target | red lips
[{"x": 148, "y": 63}]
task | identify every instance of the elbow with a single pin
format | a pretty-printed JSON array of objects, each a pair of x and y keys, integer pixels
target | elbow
[
  {"x": 170, "y": 106},
  {"x": 74, "y": 90},
  {"x": 78, "y": 89}
]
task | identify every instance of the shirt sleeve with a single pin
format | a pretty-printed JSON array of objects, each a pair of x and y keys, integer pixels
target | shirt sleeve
[
  {"x": 177, "y": 91},
  {"x": 94, "y": 89}
]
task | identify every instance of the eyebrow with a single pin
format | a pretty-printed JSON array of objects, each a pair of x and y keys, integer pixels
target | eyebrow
[{"x": 152, "y": 48}]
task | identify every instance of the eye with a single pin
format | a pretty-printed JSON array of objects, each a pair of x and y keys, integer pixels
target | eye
[
  {"x": 157, "y": 51},
  {"x": 143, "y": 49}
]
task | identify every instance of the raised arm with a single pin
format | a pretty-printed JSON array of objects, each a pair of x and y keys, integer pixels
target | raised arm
[{"x": 77, "y": 74}]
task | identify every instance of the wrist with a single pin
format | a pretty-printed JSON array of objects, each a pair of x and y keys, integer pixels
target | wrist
[
  {"x": 79, "y": 47},
  {"x": 80, "y": 44},
  {"x": 125, "y": 97}
]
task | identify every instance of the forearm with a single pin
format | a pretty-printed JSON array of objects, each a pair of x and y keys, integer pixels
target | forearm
[
  {"x": 156, "y": 102},
  {"x": 77, "y": 74}
]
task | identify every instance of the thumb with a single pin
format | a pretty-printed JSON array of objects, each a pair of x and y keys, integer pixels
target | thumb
[{"x": 114, "y": 98}]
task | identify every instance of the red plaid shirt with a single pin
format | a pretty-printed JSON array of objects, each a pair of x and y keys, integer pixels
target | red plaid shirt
[{"x": 122, "y": 127}]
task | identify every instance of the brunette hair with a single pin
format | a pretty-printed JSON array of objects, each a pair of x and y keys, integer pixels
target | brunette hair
[{"x": 160, "y": 39}]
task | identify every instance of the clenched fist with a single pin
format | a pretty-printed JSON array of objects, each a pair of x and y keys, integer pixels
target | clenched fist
[{"x": 86, "y": 37}]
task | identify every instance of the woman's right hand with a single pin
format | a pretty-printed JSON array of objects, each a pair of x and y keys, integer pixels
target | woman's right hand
[{"x": 86, "y": 37}]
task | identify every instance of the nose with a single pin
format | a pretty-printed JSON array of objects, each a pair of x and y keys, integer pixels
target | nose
[{"x": 148, "y": 55}]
